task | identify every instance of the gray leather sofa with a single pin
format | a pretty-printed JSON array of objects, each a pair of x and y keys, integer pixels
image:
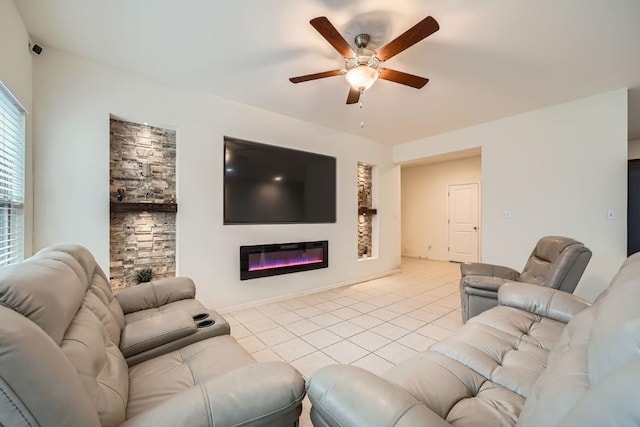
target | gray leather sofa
[
  {"x": 62, "y": 339},
  {"x": 556, "y": 262},
  {"x": 542, "y": 357}
]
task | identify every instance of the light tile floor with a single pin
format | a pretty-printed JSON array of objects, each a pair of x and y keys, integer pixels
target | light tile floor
[{"x": 374, "y": 325}]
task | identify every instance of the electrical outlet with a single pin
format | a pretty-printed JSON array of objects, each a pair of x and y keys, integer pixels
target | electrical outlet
[{"x": 506, "y": 214}]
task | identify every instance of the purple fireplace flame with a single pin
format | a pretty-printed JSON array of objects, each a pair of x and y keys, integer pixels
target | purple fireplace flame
[
  {"x": 268, "y": 260},
  {"x": 281, "y": 259}
]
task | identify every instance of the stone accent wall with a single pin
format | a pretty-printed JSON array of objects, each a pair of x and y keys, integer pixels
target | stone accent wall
[
  {"x": 365, "y": 222},
  {"x": 141, "y": 239},
  {"x": 134, "y": 145}
]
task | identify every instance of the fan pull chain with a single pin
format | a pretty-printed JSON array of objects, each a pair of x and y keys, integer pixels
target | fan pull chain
[{"x": 360, "y": 105}]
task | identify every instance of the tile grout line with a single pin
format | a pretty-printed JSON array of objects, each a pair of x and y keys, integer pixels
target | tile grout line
[{"x": 409, "y": 285}]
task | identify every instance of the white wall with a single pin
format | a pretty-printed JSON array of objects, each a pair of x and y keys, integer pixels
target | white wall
[
  {"x": 15, "y": 75},
  {"x": 15, "y": 60},
  {"x": 425, "y": 231},
  {"x": 73, "y": 100},
  {"x": 558, "y": 170}
]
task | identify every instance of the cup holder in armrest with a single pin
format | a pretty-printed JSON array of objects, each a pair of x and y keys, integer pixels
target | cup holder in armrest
[
  {"x": 206, "y": 323},
  {"x": 201, "y": 316}
]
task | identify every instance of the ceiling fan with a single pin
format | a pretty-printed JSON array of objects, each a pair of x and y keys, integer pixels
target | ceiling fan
[{"x": 364, "y": 66}]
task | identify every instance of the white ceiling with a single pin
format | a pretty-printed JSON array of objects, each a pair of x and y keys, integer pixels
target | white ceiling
[{"x": 490, "y": 59}]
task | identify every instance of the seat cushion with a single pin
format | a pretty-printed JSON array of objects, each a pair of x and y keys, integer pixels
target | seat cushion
[
  {"x": 156, "y": 380},
  {"x": 482, "y": 373},
  {"x": 191, "y": 306}
]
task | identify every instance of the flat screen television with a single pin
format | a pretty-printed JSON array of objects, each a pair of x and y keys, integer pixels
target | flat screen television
[{"x": 266, "y": 184}]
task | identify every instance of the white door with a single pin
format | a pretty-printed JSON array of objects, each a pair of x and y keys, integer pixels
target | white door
[{"x": 463, "y": 223}]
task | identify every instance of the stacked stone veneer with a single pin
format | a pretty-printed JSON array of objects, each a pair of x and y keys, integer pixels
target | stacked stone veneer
[
  {"x": 132, "y": 146},
  {"x": 142, "y": 239},
  {"x": 365, "y": 222}
]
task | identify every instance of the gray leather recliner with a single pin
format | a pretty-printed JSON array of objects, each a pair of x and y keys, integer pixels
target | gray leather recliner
[
  {"x": 556, "y": 262},
  {"x": 64, "y": 340}
]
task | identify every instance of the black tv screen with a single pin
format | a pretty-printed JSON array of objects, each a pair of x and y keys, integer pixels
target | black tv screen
[{"x": 266, "y": 184}]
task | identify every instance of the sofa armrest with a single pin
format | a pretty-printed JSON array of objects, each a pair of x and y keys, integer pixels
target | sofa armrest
[
  {"x": 482, "y": 283},
  {"x": 489, "y": 270},
  {"x": 268, "y": 393},
  {"x": 546, "y": 302},
  {"x": 151, "y": 332},
  {"x": 156, "y": 294},
  {"x": 345, "y": 396},
  {"x": 203, "y": 331}
]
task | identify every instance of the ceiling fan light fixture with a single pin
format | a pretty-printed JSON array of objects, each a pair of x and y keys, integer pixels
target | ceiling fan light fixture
[
  {"x": 362, "y": 78},
  {"x": 363, "y": 66}
]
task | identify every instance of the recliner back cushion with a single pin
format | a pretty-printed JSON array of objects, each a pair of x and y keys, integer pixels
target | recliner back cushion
[
  {"x": 549, "y": 248},
  {"x": 45, "y": 289},
  {"x": 110, "y": 313},
  {"x": 536, "y": 271},
  {"x": 551, "y": 260},
  {"x": 104, "y": 305},
  {"x": 615, "y": 338},
  {"x": 564, "y": 380},
  {"x": 100, "y": 364},
  {"x": 594, "y": 347},
  {"x": 612, "y": 401},
  {"x": 66, "y": 294},
  {"x": 38, "y": 384}
]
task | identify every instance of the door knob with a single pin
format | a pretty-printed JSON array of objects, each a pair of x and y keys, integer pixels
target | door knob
[{"x": 475, "y": 228}]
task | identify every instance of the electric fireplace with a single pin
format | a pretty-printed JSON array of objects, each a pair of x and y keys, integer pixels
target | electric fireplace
[{"x": 282, "y": 258}]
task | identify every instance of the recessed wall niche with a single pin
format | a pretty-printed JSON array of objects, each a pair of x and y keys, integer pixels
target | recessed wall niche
[
  {"x": 365, "y": 211},
  {"x": 142, "y": 199}
]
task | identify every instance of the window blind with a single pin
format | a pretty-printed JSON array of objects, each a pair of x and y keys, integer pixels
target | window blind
[{"x": 12, "y": 142}]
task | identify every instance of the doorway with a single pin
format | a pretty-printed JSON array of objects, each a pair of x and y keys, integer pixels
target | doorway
[
  {"x": 425, "y": 201},
  {"x": 464, "y": 223}
]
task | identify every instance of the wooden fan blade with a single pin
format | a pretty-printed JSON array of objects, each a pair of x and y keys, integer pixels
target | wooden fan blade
[
  {"x": 413, "y": 35},
  {"x": 329, "y": 32},
  {"x": 315, "y": 76},
  {"x": 354, "y": 96},
  {"x": 403, "y": 78}
]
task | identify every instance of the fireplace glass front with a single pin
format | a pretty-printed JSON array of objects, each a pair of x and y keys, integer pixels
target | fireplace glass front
[{"x": 282, "y": 258}]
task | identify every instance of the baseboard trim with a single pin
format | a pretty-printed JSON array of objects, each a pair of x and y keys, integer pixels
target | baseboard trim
[
  {"x": 272, "y": 300},
  {"x": 425, "y": 258}
]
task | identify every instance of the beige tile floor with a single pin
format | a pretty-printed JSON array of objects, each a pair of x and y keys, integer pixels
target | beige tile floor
[{"x": 374, "y": 325}]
